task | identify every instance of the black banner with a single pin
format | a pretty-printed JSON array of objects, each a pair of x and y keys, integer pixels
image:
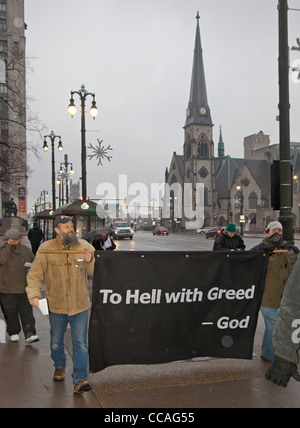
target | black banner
[{"x": 157, "y": 307}]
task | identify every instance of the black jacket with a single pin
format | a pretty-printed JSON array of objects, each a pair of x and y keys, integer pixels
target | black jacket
[
  {"x": 225, "y": 243},
  {"x": 35, "y": 235}
]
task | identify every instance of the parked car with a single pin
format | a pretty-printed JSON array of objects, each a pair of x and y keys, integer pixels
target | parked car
[
  {"x": 203, "y": 231},
  {"x": 214, "y": 232},
  {"x": 161, "y": 231}
]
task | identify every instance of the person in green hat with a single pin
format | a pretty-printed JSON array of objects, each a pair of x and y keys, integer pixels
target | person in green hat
[{"x": 229, "y": 240}]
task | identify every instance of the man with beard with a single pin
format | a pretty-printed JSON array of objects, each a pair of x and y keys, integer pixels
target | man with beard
[
  {"x": 282, "y": 259},
  {"x": 66, "y": 285}
]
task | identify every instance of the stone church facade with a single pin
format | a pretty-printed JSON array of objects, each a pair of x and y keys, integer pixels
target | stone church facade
[{"x": 232, "y": 187}]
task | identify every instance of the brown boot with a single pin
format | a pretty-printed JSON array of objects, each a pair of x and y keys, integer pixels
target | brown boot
[
  {"x": 59, "y": 375},
  {"x": 81, "y": 387}
]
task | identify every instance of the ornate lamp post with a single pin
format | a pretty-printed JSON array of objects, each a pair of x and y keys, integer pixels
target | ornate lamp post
[
  {"x": 242, "y": 219},
  {"x": 83, "y": 94},
  {"x": 66, "y": 173},
  {"x": 52, "y": 138}
]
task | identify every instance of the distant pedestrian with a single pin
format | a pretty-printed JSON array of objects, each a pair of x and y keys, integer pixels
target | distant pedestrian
[
  {"x": 35, "y": 236},
  {"x": 281, "y": 262},
  {"x": 66, "y": 284},
  {"x": 229, "y": 240},
  {"x": 104, "y": 242},
  {"x": 13, "y": 298}
]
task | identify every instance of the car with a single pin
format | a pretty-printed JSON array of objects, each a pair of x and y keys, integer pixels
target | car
[
  {"x": 161, "y": 231},
  {"x": 214, "y": 232},
  {"x": 204, "y": 230},
  {"x": 121, "y": 230}
]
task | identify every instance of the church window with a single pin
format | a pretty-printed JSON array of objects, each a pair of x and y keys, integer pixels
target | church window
[
  {"x": 188, "y": 153},
  {"x": 205, "y": 197},
  {"x": 203, "y": 172},
  {"x": 252, "y": 201},
  {"x": 202, "y": 147}
]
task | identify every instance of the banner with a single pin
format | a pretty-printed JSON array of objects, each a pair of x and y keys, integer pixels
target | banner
[
  {"x": 22, "y": 202},
  {"x": 158, "y": 307}
]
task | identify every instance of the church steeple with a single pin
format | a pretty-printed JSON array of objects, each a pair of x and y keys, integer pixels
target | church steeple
[
  {"x": 221, "y": 145},
  {"x": 198, "y": 112}
]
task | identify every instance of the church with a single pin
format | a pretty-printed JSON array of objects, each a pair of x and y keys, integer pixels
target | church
[{"x": 234, "y": 190}]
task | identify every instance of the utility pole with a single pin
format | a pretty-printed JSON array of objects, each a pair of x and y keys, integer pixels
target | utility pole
[{"x": 286, "y": 195}]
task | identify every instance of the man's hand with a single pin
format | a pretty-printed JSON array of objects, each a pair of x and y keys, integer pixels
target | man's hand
[
  {"x": 88, "y": 257},
  {"x": 35, "y": 302},
  {"x": 281, "y": 372}
]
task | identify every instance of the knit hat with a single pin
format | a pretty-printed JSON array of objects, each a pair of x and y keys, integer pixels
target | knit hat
[
  {"x": 63, "y": 219},
  {"x": 11, "y": 234},
  {"x": 274, "y": 225},
  {"x": 231, "y": 227}
]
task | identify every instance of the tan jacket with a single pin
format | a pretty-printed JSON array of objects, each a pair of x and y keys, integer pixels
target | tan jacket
[{"x": 65, "y": 278}]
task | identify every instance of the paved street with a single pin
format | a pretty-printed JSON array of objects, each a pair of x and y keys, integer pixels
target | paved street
[{"x": 145, "y": 241}]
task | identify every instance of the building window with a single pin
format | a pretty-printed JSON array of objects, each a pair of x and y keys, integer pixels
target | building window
[
  {"x": 3, "y": 24},
  {"x": 16, "y": 47},
  {"x": 3, "y": 109},
  {"x": 202, "y": 147},
  {"x": 3, "y": 89},
  {"x": 3, "y": 46},
  {"x": 2, "y": 5},
  {"x": 253, "y": 201}
]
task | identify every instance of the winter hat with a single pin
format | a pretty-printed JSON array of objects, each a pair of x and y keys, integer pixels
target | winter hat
[
  {"x": 231, "y": 227},
  {"x": 11, "y": 234},
  {"x": 274, "y": 225},
  {"x": 63, "y": 219}
]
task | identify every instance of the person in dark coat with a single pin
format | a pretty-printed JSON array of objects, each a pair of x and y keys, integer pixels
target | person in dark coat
[
  {"x": 229, "y": 240},
  {"x": 35, "y": 237},
  {"x": 283, "y": 256},
  {"x": 286, "y": 333},
  {"x": 104, "y": 243},
  {"x": 13, "y": 298}
]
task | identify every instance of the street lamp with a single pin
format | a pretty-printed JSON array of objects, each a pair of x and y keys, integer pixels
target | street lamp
[
  {"x": 72, "y": 109},
  {"x": 52, "y": 138},
  {"x": 65, "y": 173},
  {"x": 242, "y": 218}
]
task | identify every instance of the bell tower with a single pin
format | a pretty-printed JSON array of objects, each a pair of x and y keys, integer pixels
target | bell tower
[{"x": 198, "y": 163}]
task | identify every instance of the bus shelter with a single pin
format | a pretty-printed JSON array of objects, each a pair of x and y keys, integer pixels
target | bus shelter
[
  {"x": 86, "y": 213},
  {"x": 45, "y": 220}
]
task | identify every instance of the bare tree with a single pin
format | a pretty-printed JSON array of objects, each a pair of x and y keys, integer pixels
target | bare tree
[{"x": 15, "y": 120}]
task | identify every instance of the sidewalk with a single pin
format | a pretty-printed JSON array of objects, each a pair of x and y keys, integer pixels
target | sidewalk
[{"x": 26, "y": 382}]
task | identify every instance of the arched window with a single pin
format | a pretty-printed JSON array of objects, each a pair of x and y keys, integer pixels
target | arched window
[
  {"x": 205, "y": 197},
  {"x": 252, "y": 201},
  {"x": 202, "y": 147}
]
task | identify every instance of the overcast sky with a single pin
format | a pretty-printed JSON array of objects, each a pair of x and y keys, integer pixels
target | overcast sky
[{"x": 137, "y": 56}]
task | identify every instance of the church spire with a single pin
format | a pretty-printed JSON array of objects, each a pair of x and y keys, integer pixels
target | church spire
[
  {"x": 198, "y": 111},
  {"x": 221, "y": 145}
]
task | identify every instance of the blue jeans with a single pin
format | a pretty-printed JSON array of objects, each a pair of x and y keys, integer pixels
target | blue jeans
[
  {"x": 270, "y": 317},
  {"x": 79, "y": 326}
]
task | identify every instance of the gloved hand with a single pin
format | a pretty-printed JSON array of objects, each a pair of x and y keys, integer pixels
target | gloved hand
[{"x": 281, "y": 372}]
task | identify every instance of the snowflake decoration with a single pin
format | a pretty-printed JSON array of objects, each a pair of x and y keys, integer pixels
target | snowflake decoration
[{"x": 100, "y": 152}]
